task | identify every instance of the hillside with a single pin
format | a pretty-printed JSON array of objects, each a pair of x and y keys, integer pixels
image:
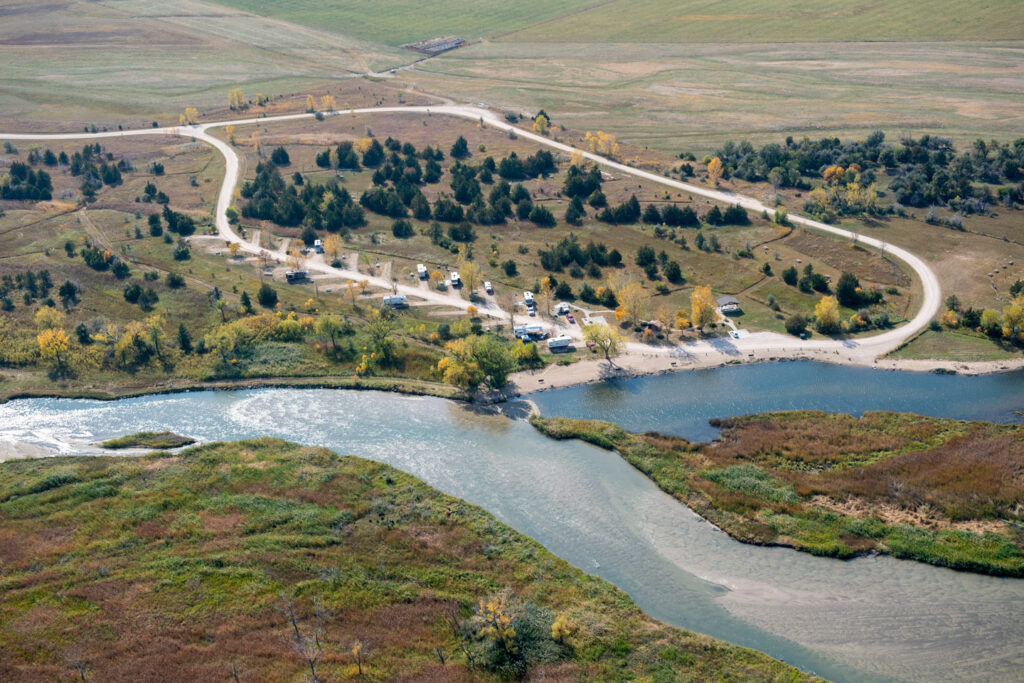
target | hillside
[
  {"x": 275, "y": 560},
  {"x": 945, "y": 492}
]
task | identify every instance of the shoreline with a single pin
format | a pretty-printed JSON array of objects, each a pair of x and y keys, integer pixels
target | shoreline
[
  {"x": 525, "y": 382},
  {"x": 632, "y": 365}
]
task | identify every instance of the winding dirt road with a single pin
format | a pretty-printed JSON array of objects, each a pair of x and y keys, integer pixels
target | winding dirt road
[{"x": 860, "y": 351}]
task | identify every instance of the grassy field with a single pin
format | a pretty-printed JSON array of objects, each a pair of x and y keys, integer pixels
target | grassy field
[
  {"x": 933, "y": 490},
  {"x": 785, "y": 21},
  {"x": 395, "y": 22},
  {"x": 692, "y": 97},
  {"x": 673, "y": 77},
  {"x": 127, "y": 62},
  {"x": 259, "y": 557},
  {"x": 956, "y": 345}
]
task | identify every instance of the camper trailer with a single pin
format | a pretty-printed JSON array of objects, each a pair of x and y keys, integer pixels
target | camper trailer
[
  {"x": 562, "y": 342},
  {"x": 421, "y": 271},
  {"x": 396, "y": 301}
]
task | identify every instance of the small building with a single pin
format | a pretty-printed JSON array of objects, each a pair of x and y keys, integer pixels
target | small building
[{"x": 728, "y": 304}]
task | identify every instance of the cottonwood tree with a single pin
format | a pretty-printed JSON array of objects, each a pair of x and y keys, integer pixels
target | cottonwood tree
[
  {"x": 54, "y": 345},
  {"x": 310, "y": 103},
  {"x": 634, "y": 302},
  {"x": 826, "y": 315},
  {"x": 715, "y": 169},
  {"x": 605, "y": 338},
  {"x": 328, "y": 103},
  {"x": 332, "y": 247},
  {"x": 296, "y": 260},
  {"x": 702, "y": 307},
  {"x": 541, "y": 124},
  {"x": 236, "y": 100},
  {"x": 602, "y": 143},
  {"x": 470, "y": 274}
]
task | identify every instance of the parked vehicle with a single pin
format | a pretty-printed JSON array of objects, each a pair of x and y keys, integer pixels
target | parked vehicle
[
  {"x": 488, "y": 288},
  {"x": 570, "y": 318},
  {"x": 456, "y": 280},
  {"x": 532, "y": 332},
  {"x": 396, "y": 301},
  {"x": 293, "y": 276},
  {"x": 562, "y": 342},
  {"x": 318, "y": 246},
  {"x": 421, "y": 271}
]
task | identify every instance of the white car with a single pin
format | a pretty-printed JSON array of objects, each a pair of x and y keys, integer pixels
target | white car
[{"x": 488, "y": 288}]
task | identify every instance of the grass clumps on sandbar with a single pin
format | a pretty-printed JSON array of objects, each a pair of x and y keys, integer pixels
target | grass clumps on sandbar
[{"x": 149, "y": 440}]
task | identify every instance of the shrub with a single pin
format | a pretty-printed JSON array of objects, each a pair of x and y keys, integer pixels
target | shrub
[
  {"x": 266, "y": 296},
  {"x": 796, "y": 324}
]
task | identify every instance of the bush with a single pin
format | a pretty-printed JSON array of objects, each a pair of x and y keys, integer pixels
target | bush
[
  {"x": 789, "y": 276},
  {"x": 280, "y": 157},
  {"x": 266, "y": 296},
  {"x": 402, "y": 229},
  {"x": 175, "y": 281},
  {"x": 509, "y": 267},
  {"x": 796, "y": 324}
]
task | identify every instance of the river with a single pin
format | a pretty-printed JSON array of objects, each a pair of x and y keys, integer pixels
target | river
[{"x": 872, "y": 618}]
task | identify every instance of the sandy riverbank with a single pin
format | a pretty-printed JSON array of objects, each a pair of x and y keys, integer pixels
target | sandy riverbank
[
  {"x": 16, "y": 450},
  {"x": 638, "y": 365}
]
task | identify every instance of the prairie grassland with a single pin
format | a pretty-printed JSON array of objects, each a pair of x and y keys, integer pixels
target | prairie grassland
[
  {"x": 396, "y": 22},
  {"x": 784, "y": 21},
  {"x": 110, "y": 63},
  {"x": 693, "y": 97}
]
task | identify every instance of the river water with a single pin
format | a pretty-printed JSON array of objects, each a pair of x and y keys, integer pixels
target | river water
[{"x": 868, "y": 619}]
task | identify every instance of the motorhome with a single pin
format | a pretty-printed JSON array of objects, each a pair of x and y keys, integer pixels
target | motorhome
[
  {"x": 456, "y": 280},
  {"x": 421, "y": 271},
  {"x": 396, "y": 301},
  {"x": 293, "y": 276}
]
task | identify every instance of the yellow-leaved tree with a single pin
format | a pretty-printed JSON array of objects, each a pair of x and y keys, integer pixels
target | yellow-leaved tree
[
  {"x": 826, "y": 314},
  {"x": 49, "y": 317},
  {"x": 310, "y": 103},
  {"x": 469, "y": 273},
  {"x": 328, "y": 103},
  {"x": 191, "y": 115},
  {"x": 702, "y": 307},
  {"x": 541, "y": 124},
  {"x": 54, "y": 345},
  {"x": 332, "y": 246},
  {"x": 634, "y": 302},
  {"x": 604, "y": 337},
  {"x": 296, "y": 260},
  {"x": 715, "y": 169}
]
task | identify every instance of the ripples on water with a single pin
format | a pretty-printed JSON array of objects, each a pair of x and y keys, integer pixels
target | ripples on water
[{"x": 872, "y": 618}]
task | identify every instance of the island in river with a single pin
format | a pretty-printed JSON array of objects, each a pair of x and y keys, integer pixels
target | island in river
[{"x": 947, "y": 492}]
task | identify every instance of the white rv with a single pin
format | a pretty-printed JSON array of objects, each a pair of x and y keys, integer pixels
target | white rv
[{"x": 560, "y": 343}]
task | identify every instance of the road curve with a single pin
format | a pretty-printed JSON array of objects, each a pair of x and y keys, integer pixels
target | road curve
[{"x": 863, "y": 350}]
